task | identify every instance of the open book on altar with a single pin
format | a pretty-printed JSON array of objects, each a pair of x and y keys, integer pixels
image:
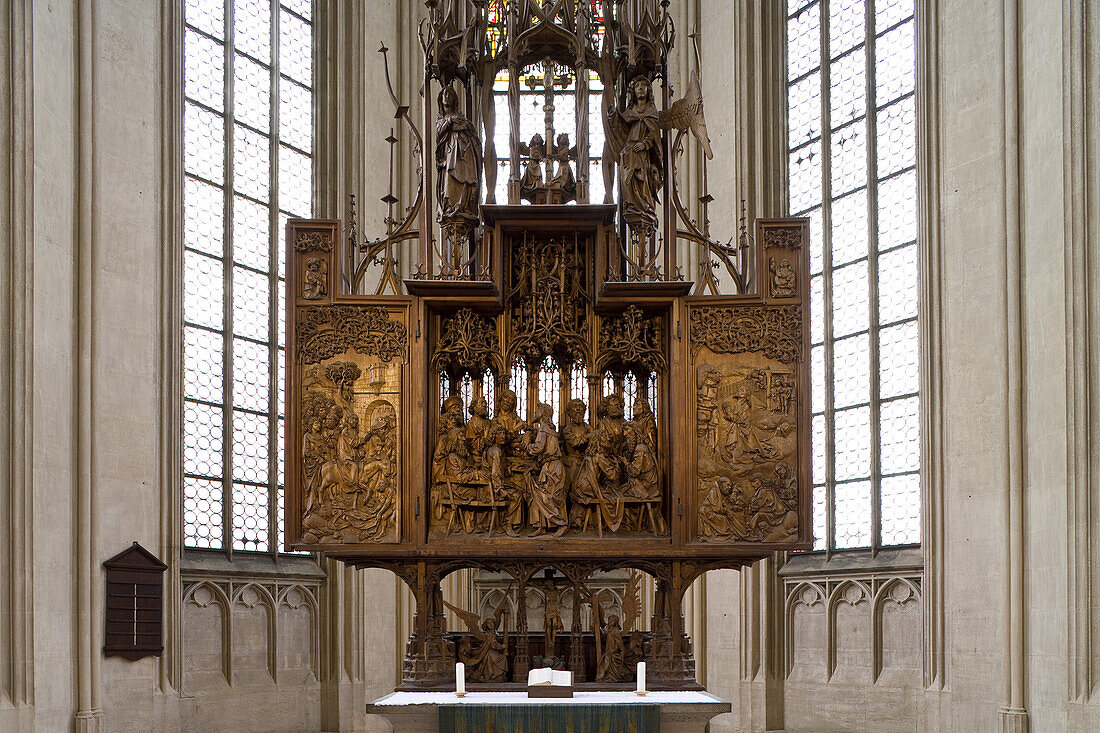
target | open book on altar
[{"x": 547, "y": 682}]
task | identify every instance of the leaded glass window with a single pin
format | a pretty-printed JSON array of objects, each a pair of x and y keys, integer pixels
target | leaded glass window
[
  {"x": 851, "y": 76},
  {"x": 248, "y": 166},
  {"x": 533, "y": 101}
]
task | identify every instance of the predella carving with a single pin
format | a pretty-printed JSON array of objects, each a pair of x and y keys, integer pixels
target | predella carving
[
  {"x": 323, "y": 332},
  {"x": 774, "y": 330}
]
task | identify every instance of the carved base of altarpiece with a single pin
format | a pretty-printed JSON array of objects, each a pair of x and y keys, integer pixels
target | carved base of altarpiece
[{"x": 432, "y": 650}]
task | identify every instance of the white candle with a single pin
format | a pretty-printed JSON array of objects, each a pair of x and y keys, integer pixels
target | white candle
[
  {"x": 460, "y": 679},
  {"x": 641, "y": 678}
]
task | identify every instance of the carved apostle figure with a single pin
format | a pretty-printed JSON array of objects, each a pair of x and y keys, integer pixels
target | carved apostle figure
[
  {"x": 478, "y": 432},
  {"x": 720, "y": 514},
  {"x": 644, "y": 421},
  {"x": 505, "y": 439},
  {"x": 458, "y": 164},
  {"x": 641, "y": 169},
  {"x": 546, "y": 491},
  {"x": 574, "y": 439}
]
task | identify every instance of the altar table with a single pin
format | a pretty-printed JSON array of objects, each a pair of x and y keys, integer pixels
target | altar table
[{"x": 419, "y": 712}]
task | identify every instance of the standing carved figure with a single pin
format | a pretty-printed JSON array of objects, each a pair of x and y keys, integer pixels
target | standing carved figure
[
  {"x": 612, "y": 666},
  {"x": 505, "y": 436},
  {"x": 458, "y": 164},
  {"x": 532, "y": 187},
  {"x": 314, "y": 285},
  {"x": 574, "y": 439},
  {"x": 641, "y": 169},
  {"x": 546, "y": 491}
]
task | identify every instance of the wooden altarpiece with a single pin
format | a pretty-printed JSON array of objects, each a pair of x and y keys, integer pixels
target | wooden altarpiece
[{"x": 545, "y": 391}]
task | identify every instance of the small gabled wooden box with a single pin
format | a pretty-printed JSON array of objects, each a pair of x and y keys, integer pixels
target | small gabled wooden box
[{"x": 135, "y": 604}]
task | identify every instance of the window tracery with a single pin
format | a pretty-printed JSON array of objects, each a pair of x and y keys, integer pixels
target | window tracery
[
  {"x": 248, "y": 167},
  {"x": 851, "y": 140}
]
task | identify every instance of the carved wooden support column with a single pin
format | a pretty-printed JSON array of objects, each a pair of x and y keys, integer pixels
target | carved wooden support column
[
  {"x": 522, "y": 662},
  {"x": 576, "y": 658}
]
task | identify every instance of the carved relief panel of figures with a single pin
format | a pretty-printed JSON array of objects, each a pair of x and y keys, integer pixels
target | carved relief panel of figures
[
  {"x": 348, "y": 415},
  {"x": 746, "y": 450},
  {"x": 747, "y": 391},
  {"x": 560, "y": 452}
]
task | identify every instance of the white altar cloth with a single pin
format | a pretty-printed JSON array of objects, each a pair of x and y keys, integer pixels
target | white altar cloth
[{"x": 684, "y": 711}]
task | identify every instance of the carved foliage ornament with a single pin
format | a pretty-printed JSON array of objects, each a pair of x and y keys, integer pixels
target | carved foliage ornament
[
  {"x": 548, "y": 290},
  {"x": 468, "y": 343},
  {"x": 776, "y": 331},
  {"x": 632, "y": 339},
  {"x": 787, "y": 237},
  {"x": 324, "y": 332},
  {"x": 312, "y": 242}
]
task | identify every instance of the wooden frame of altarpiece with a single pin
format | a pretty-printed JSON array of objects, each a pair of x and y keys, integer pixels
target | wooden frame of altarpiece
[{"x": 732, "y": 404}]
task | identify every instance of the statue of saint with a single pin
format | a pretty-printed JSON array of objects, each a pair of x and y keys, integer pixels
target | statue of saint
[
  {"x": 641, "y": 168},
  {"x": 458, "y": 164},
  {"x": 314, "y": 286}
]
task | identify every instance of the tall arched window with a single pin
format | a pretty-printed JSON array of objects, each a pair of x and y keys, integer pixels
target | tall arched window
[
  {"x": 851, "y": 77},
  {"x": 248, "y": 166}
]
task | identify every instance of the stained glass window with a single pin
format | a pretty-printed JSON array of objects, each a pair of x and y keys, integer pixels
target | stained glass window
[
  {"x": 248, "y": 166},
  {"x": 851, "y": 76}
]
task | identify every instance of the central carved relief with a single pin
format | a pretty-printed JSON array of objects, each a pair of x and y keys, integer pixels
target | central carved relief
[{"x": 546, "y": 423}]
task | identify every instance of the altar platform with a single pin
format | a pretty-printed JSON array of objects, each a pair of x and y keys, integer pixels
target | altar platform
[{"x": 674, "y": 711}]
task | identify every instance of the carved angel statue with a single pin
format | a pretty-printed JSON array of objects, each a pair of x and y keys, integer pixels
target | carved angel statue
[
  {"x": 458, "y": 160},
  {"x": 532, "y": 187},
  {"x": 563, "y": 186},
  {"x": 485, "y": 651},
  {"x": 635, "y": 133}
]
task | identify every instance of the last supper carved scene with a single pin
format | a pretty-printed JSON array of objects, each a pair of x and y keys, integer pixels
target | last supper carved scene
[{"x": 546, "y": 369}]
